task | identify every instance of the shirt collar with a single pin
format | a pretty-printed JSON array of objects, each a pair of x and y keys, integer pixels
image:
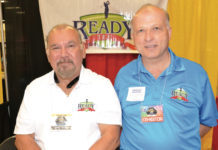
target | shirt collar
[
  {"x": 176, "y": 63},
  {"x": 81, "y": 78},
  {"x": 51, "y": 80}
]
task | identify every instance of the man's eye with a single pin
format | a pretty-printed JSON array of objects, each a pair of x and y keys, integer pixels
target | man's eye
[
  {"x": 55, "y": 48},
  {"x": 156, "y": 28},
  {"x": 71, "y": 45},
  {"x": 140, "y": 30}
]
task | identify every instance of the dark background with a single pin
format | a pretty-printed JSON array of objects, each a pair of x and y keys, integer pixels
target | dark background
[{"x": 25, "y": 54}]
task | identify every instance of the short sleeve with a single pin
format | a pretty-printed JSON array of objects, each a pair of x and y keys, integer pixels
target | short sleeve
[
  {"x": 208, "y": 111},
  {"x": 109, "y": 110},
  {"x": 24, "y": 121}
]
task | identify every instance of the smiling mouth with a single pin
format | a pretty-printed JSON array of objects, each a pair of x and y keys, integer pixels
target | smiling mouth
[{"x": 150, "y": 46}]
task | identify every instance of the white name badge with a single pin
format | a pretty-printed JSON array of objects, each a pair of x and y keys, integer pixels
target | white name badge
[{"x": 136, "y": 94}]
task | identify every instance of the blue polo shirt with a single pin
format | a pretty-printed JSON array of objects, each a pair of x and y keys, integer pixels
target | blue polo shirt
[{"x": 185, "y": 93}]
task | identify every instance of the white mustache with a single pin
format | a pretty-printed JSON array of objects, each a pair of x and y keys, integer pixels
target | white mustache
[{"x": 64, "y": 61}]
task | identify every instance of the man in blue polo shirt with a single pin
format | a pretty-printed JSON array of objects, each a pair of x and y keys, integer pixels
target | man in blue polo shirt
[{"x": 167, "y": 101}]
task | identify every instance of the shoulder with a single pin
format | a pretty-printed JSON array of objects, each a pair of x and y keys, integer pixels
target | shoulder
[
  {"x": 92, "y": 77},
  {"x": 193, "y": 72},
  {"x": 96, "y": 83},
  {"x": 128, "y": 68},
  {"x": 192, "y": 66},
  {"x": 126, "y": 73},
  {"x": 41, "y": 81},
  {"x": 37, "y": 90}
]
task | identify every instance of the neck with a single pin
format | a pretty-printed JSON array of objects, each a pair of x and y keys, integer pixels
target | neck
[
  {"x": 156, "y": 66},
  {"x": 66, "y": 84}
]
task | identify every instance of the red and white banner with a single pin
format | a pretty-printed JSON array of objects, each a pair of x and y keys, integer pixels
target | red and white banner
[{"x": 103, "y": 24}]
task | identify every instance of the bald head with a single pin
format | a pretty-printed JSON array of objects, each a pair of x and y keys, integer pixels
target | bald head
[
  {"x": 63, "y": 27},
  {"x": 149, "y": 8}
]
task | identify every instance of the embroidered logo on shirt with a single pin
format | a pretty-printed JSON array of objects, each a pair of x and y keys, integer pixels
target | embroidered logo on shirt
[
  {"x": 60, "y": 122},
  {"x": 179, "y": 94},
  {"x": 86, "y": 106}
]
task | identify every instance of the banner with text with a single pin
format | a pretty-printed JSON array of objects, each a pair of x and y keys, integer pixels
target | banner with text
[{"x": 102, "y": 24}]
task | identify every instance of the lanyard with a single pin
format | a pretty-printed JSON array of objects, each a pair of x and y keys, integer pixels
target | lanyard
[{"x": 165, "y": 81}]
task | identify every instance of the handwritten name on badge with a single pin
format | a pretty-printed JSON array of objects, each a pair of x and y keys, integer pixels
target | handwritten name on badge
[{"x": 136, "y": 94}]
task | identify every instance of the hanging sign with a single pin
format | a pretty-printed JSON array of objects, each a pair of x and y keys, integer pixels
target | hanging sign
[{"x": 103, "y": 24}]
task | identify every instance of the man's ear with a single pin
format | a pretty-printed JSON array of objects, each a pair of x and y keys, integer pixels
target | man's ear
[
  {"x": 83, "y": 47},
  {"x": 132, "y": 37},
  {"x": 170, "y": 32},
  {"x": 47, "y": 51}
]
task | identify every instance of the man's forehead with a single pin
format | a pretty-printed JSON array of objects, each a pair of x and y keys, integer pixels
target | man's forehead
[
  {"x": 67, "y": 42},
  {"x": 150, "y": 9},
  {"x": 63, "y": 30},
  {"x": 63, "y": 34},
  {"x": 150, "y": 16}
]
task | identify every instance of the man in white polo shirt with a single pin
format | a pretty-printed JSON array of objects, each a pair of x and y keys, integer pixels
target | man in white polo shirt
[{"x": 71, "y": 107}]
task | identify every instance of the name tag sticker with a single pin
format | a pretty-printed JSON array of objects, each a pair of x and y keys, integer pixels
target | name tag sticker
[{"x": 136, "y": 94}]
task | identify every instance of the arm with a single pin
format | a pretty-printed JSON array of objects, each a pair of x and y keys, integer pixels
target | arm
[
  {"x": 26, "y": 142},
  {"x": 110, "y": 138},
  {"x": 204, "y": 129}
]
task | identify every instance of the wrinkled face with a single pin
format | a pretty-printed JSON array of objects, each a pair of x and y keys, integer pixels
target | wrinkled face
[
  {"x": 151, "y": 34},
  {"x": 65, "y": 52}
]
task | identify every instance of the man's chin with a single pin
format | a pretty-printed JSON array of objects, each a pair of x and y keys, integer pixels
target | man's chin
[{"x": 66, "y": 74}]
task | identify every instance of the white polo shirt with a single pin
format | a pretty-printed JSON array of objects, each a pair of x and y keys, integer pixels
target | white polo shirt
[{"x": 68, "y": 122}]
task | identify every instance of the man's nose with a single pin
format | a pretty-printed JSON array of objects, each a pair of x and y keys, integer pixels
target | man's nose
[
  {"x": 148, "y": 35},
  {"x": 64, "y": 51}
]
